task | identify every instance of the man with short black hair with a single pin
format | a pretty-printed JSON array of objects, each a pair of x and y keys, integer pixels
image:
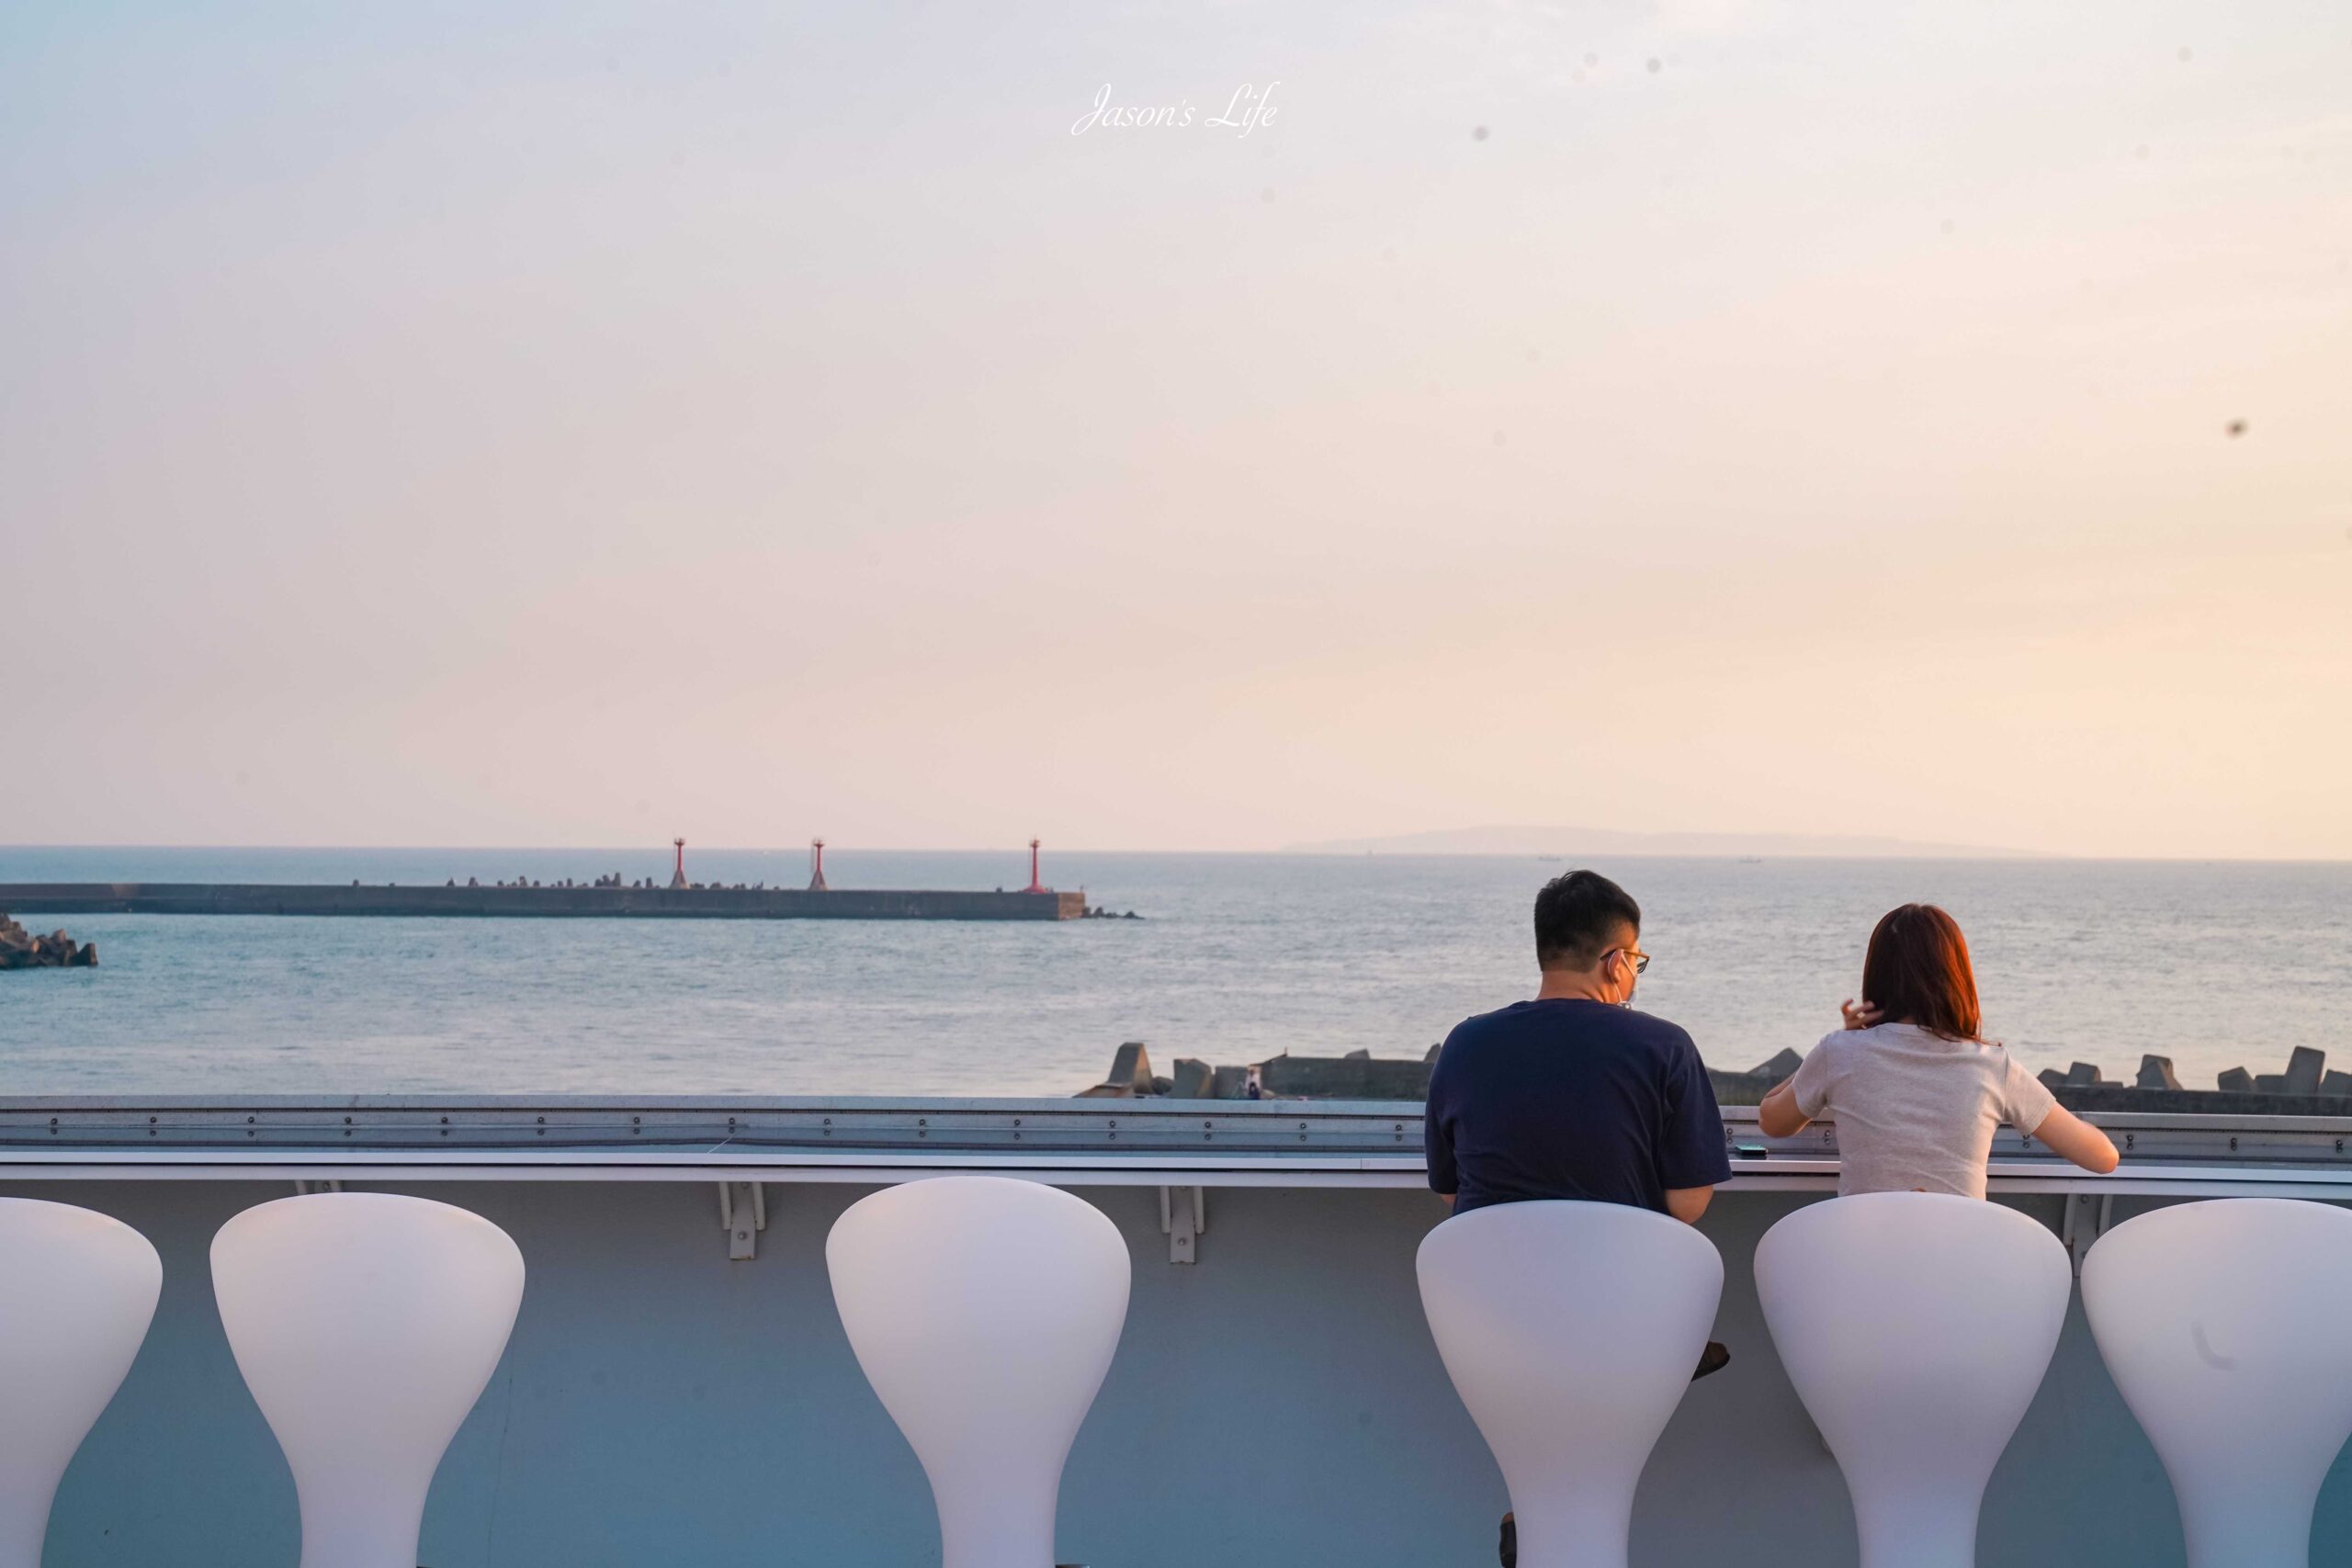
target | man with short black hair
[{"x": 1574, "y": 1094}]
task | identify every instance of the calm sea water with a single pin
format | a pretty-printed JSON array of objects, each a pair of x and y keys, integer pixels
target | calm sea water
[{"x": 1239, "y": 956}]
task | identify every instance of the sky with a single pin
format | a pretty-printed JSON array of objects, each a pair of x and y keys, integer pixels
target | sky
[{"x": 584, "y": 423}]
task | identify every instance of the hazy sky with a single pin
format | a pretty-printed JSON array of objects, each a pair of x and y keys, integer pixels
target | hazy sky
[{"x": 544, "y": 423}]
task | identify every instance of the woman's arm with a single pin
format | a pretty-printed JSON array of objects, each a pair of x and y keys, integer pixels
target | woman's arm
[
  {"x": 2068, "y": 1135},
  {"x": 1777, "y": 1116}
]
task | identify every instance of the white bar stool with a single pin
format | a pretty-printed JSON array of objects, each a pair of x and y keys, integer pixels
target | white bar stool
[
  {"x": 1916, "y": 1327},
  {"x": 984, "y": 1312},
  {"x": 366, "y": 1324},
  {"x": 77, "y": 1292},
  {"x": 2226, "y": 1327},
  {"x": 1570, "y": 1330}
]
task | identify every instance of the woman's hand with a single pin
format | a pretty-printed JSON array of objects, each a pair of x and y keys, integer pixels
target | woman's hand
[{"x": 1863, "y": 1017}]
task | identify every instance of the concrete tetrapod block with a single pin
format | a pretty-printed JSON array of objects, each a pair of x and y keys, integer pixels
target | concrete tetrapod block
[
  {"x": 2303, "y": 1068},
  {"x": 2155, "y": 1072},
  {"x": 1131, "y": 1068},
  {"x": 1193, "y": 1079},
  {"x": 2234, "y": 1080}
]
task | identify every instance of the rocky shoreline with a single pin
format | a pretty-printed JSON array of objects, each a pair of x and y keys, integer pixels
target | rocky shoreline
[{"x": 19, "y": 949}]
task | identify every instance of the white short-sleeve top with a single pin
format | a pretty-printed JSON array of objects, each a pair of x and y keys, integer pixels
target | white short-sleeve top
[{"x": 1916, "y": 1112}]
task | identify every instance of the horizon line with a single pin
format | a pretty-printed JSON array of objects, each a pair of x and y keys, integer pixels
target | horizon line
[{"x": 1957, "y": 853}]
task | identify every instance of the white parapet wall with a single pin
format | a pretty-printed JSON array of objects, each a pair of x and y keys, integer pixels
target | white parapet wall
[{"x": 679, "y": 1389}]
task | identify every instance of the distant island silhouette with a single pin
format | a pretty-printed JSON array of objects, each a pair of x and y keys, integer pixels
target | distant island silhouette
[{"x": 1568, "y": 841}]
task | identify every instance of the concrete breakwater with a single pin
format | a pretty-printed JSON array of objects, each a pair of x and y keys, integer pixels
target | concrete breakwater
[
  {"x": 605, "y": 901},
  {"x": 1359, "y": 1074},
  {"x": 2306, "y": 1089}
]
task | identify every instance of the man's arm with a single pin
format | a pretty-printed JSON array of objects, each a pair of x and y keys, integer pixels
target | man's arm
[
  {"x": 1687, "y": 1203},
  {"x": 1692, "y": 1158},
  {"x": 1437, "y": 1140}
]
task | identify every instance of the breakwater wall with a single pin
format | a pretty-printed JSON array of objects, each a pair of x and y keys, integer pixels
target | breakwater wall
[
  {"x": 609, "y": 903},
  {"x": 2306, "y": 1089}
]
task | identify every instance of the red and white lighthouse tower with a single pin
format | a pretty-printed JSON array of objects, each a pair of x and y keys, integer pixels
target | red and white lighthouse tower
[
  {"x": 1035, "y": 885},
  {"x": 678, "y": 877},
  {"x": 816, "y": 865}
]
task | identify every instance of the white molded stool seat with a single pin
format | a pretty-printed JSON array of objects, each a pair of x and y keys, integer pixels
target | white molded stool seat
[
  {"x": 366, "y": 1324},
  {"x": 1916, "y": 1327},
  {"x": 984, "y": 1312},
  {"x": 2228, "y": 1327},
  {"x": 77, "y": 1292},
  {"x": 1570, "y": 1330}
]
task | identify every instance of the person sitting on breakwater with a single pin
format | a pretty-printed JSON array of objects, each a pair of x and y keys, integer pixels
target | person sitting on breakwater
[
  {"x": 1575, "y": 1095},
  {"x": 1915, "y": 1089}
]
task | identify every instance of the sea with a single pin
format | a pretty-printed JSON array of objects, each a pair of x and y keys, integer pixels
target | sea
[{"x": 1235, "y": 958}]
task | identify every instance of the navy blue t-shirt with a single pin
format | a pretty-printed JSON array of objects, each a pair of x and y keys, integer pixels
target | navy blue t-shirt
[{"x": 1571, "y": 1099}]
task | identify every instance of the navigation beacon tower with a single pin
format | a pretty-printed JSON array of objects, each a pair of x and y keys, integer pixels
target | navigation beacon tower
[
  {"x": 678, "y": 877},
  {"x": 816, "y": 865}
]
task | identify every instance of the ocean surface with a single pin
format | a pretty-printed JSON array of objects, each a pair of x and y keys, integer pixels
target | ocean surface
[{"x": 1238, "y": 957}]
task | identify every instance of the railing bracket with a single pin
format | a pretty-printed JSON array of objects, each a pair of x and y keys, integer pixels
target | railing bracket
[
  {"x": 742, "y": 1214},
  {"x": 2083, "y": 1219},
  {"x": 1184, "y": 1216}
]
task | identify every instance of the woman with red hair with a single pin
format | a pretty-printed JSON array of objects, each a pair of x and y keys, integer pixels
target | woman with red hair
[{"x": 1915, "y": 1089}]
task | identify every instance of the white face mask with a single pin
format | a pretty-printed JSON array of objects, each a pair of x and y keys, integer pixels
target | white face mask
[{"x": 1633, "y": 980}]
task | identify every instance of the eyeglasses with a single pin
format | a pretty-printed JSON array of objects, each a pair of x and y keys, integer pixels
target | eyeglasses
[{"x": 1640, "y": 959}]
